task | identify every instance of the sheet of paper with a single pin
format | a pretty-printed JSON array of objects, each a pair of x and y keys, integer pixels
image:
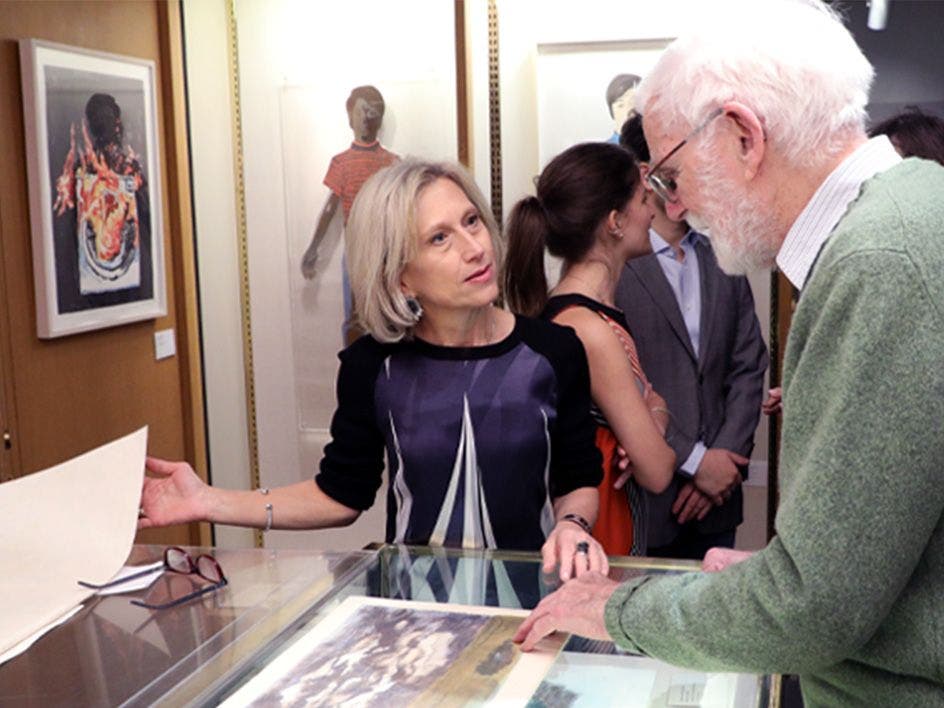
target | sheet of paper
[
  {"x": 136, "y": 583},
  {"x": 30, "y": 640},
  {"x": 75, "y": 521},
  {"x": 580, "y": 680}
]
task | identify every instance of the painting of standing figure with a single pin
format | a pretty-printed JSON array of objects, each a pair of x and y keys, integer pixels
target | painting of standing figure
[
  {"x": 621, "y": 101},
  {"x": 346, "y": 174}
]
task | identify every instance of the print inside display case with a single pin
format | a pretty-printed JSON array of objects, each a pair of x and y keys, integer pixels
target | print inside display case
[{"x": 420, "y": 623}]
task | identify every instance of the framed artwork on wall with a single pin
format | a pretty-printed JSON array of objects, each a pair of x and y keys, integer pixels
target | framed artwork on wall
[
  {"x": 94, "y": 182},
  {"x": 585, "y": 91},
  {"x": 330, "y": 132}
]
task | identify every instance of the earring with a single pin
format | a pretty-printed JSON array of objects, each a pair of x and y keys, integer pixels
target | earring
[{"x": 415, "y": 308}]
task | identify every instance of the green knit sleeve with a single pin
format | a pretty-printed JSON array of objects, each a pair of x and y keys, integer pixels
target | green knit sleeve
[{"x": 862, "y": 461}]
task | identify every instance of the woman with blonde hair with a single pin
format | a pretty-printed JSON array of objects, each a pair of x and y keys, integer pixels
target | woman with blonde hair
[
  {"x": 484, "y": 416},
  {"x": 589, "y": 211}
]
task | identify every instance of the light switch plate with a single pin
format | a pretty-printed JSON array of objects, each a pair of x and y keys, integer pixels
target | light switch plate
[{"x": 164, "y": 344}]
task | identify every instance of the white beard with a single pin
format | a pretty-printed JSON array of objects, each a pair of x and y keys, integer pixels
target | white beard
[
  {"x": 741, "y": 234},
  {"x": 697, "y": 223}
]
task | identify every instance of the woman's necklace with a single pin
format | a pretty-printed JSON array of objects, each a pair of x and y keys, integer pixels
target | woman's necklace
[{"x": 597, "y": 291}]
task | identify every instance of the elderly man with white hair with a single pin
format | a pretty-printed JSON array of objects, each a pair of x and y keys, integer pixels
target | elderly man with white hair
[{"x": 757, "y": 134}]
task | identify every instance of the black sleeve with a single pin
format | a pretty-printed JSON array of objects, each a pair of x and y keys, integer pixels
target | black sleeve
[
  {"x": 352, "y": 466},
  {"x": 575, "y": 460}
]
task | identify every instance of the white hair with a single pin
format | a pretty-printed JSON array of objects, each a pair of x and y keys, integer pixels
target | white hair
[{"x": 792, "y": 62}]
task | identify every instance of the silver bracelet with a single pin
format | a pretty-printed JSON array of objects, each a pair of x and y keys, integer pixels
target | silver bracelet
[{"x": 268, "y": 510}]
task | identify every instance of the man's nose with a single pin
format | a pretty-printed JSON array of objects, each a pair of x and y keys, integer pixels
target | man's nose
[{"x": 675, "y": 210}]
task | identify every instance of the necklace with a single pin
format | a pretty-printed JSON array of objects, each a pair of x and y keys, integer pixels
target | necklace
[{"x": 596, "y": 291}]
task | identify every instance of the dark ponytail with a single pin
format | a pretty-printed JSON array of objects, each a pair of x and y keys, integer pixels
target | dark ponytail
[
  {"x": 525, "y": 285},
  {"x": 575, "y": 192}
]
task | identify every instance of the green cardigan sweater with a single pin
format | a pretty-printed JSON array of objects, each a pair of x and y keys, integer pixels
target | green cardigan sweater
[{"x": 850, "y": 593}]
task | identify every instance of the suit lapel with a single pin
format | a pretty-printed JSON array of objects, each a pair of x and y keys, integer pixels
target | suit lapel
[
  {"x": 708, "y": 274},
  {"x": 654, "y": 281}
]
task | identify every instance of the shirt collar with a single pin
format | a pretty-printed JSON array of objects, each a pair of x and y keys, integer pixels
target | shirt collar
[
  {"x": 660, "y": 245},
  {"x": 829, "y": 204}
]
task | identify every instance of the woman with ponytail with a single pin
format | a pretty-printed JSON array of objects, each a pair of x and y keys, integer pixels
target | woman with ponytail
[{"x": 590, "y": 212}]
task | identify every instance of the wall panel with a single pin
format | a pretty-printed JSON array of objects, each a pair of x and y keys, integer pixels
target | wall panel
[{"x": 66, "y": 395}]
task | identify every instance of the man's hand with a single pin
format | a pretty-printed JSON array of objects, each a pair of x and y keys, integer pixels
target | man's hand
[
  {"x": 561, "y": 548},
  {"x": 690, "y": 504},
  {"x": 718, "y": 475},
  {"x": 717, "y": 559},
  {"x": 774, "y": 403},
  {"x": 577, "y": 607}
]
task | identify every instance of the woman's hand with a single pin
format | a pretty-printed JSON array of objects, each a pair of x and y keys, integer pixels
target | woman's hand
[
  {"x": 176, "y": 495},
  {"x": 561, "y": 548},
  {"x": 624, "y": 466}
]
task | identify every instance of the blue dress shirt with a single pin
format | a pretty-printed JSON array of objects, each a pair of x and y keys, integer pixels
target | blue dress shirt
[{"x": 685, "y": 280}]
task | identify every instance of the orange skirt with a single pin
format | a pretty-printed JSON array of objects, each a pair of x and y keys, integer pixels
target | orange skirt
[{"x": 614, "y": 526}]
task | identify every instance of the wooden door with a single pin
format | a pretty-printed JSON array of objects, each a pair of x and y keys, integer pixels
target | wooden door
[{"x": 63, "y": 396}]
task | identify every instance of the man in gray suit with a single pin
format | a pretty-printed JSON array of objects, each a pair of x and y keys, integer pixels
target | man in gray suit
[{"x": 700, "y": 344}]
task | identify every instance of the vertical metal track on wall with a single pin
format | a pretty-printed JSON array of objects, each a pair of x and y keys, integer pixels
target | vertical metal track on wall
[
  {"x": 243, "y": 255},
  {"x": 494, "y": 112},
  {"x": 462, "y": 98}
]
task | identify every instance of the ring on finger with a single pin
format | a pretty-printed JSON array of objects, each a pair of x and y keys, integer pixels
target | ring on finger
[{"x": 583, "y": 547}]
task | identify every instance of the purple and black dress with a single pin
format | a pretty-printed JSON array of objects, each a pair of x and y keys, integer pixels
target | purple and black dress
[{"x": 479, "y": 440}]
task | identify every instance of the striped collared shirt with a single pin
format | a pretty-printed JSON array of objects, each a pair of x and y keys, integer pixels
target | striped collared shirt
[{"x": 829, "y": 204}]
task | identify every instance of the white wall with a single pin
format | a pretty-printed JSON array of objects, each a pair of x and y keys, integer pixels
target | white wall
[
  {"x": 208, "y": 89},
  {"x": 297, "y": 62},
  {"x": 535, "y": 38}
]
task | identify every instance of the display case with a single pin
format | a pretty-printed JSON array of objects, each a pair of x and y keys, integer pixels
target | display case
[{"x": 208, "y": 651}]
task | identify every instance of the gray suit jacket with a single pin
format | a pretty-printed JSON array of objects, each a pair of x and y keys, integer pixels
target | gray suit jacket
[{"x": 714, "y": 394}]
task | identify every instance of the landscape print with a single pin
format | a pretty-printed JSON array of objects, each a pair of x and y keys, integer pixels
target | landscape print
[{"x": 371, "y": 652}]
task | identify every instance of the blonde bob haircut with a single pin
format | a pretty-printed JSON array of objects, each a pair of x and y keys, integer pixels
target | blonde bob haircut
[{"x": 381, "y": 238}]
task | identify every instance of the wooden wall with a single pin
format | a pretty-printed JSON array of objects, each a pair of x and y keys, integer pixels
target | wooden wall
[{"x": 60, "y": 397}]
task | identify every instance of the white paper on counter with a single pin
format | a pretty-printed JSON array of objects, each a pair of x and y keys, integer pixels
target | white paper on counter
[
  {"x": 157, "y": 569},
  {"x": 75, "y": 521},
  {"x": 22, "y": 646}
]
